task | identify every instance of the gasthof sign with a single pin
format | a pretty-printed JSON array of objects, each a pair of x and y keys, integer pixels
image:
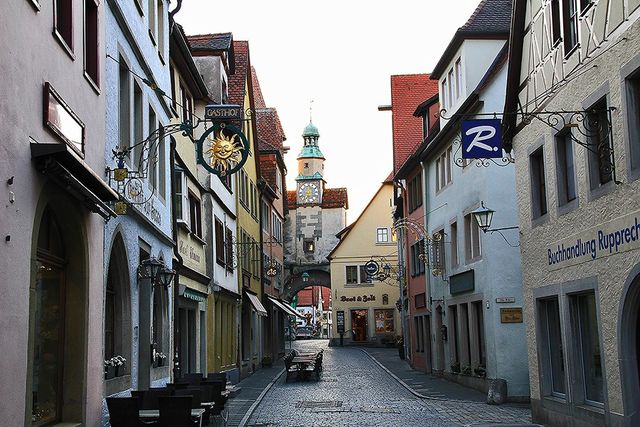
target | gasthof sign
[{"x": 223, "y": 112}]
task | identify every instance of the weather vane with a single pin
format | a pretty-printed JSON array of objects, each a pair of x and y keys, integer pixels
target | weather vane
[{"x": 311, "y": 111}]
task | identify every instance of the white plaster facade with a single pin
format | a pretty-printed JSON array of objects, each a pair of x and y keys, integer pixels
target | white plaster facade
[
  {"x": 604, "y": 65},
  {"x": 477, "y": 338},
  {"x": 146, "y": 227}
]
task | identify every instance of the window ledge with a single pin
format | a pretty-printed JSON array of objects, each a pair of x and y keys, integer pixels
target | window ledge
[
  {"x": 571, "y": 52},
  {"x": 184, "y": 225},
  {"x": 568, "y": 207},
  {"x": 198, "y": 238},
  {"x": 152, "y": 37},
  {"x": 93, "y": 84},
  {"x": 63, "y": 44},
  {"x": 602, "y": 190},
  {"x": 540, "y": 220},
  {"x": 595, "y": 410}
]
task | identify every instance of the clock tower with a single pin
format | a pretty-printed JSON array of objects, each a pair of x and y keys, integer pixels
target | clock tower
[{"x": 310, "y": 182}]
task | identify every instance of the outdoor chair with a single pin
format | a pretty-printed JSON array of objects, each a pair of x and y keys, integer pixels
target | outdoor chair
[
  {"x": 175, "y": 411},
  {"x": 193, "y": 378},
  {"x": 215, "y": 390},
  {"x": 217, "y": 376},
  {"x": 148, "y": 399},
  {"x": 123, "y": 411},
  {"x": 291, "y": 369}
]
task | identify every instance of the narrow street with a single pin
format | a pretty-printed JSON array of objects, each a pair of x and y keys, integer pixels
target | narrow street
[{"x": 354, "y": 390}]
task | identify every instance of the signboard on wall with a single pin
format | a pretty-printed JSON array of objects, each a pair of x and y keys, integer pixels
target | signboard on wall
[
  {"x": 511, "y": 315},
  {"x": 340, "y": 321}
]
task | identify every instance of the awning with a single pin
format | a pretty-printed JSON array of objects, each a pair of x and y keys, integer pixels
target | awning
[
  {"x": 286, "y": 308},
  {"x": 257, "y": 305},
  {"x": 63, "y": 165},
  {"x": 194, "y": 295}
]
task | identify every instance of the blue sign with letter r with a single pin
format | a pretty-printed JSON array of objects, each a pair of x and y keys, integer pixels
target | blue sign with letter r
[{"x": 481, "y": 139}]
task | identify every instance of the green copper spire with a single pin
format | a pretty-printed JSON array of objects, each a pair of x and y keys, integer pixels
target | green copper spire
[{"x": 310, "y": 148}]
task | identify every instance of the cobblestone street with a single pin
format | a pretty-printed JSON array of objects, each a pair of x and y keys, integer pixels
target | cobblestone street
[{"x": 356, "y": 391}]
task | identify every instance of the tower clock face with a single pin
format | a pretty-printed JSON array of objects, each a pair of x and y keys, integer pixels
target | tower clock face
[{"x": 309, "y": 193}]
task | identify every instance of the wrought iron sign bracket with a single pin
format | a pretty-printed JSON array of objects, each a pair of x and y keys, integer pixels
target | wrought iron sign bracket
[
  {"x": 591, "y": 129},
  {"x": 432, "y": 253}
]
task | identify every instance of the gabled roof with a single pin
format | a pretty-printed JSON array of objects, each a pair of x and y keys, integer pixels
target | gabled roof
[
  {"x": 213, "y": 43},
  {"x": 342, "y": 234},
  {"x": 335, "y": 198},
  {"x": 407, "y": 93},
  {"x": 270, "y": 132},
  {"x": 268, "y": 167},
  {"x": 220, "y": 41},
  {"x": 238, "y": 80},
  {"x": 180, "y": 53},
  {"x": 331, "y": 198},
  {"x": 258, "y": 99},
  {"x": 490, "y": 20}
]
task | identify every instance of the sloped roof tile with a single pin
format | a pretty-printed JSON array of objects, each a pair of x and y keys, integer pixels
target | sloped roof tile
[
  {"x": 407, "y": 92},
  {"x": 220, "y": 41}
]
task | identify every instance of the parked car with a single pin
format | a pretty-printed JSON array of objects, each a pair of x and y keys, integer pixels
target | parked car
[{"x": 304, "y": 332}]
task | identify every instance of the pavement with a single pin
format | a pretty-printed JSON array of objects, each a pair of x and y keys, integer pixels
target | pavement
[
  {"x": 368, "y": 387},
  {"x": 252, "y": 389}
]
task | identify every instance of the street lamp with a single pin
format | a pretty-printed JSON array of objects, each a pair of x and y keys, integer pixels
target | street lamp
[
  {"x": 166, "y": 276},
  {"x": 484, "y": 215},
  {"x": 149, "y": 269}
]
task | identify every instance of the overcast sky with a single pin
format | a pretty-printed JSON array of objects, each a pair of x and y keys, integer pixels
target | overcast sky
[{"x": 340, "y": 54}]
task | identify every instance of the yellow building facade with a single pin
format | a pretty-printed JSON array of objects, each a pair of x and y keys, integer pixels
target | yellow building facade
[
  {"x": 364, "y": 301},
  {"x": 249, "y": 234}
]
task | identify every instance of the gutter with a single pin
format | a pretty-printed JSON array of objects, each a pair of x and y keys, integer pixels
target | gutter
[{"x": 178, "y": 267}]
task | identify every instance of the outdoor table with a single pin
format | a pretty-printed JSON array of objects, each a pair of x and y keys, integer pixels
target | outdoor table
[{"x": 155, "y": 413}]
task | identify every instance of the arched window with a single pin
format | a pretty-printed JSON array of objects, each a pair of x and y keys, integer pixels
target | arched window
[
  {"x": 117, "y": 313},
  {"x": 49, "y": 321}
]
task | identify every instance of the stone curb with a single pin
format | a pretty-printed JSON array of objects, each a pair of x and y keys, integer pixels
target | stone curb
[
  {"x": 412, "y": 391},
  {"x": 255, "y": 404}
]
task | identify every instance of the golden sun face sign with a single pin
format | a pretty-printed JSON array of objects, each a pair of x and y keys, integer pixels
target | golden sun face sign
[{"x": 226, "y": 149}]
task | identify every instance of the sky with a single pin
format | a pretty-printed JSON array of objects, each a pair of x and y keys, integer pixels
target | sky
[{"x": 340, "y": 55}]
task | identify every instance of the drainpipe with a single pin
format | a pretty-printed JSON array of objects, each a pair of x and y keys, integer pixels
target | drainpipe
[{"x": 178, "y": 267}]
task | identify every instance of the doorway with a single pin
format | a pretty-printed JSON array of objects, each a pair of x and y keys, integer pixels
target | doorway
[
  {"x": 359, "y": 325},
  {"x": 629, "y": 349}
]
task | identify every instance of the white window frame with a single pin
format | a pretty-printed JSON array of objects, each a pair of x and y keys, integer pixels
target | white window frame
[
  {"x": 182, "y": 196},
  {"x": 381, "y": 232}
]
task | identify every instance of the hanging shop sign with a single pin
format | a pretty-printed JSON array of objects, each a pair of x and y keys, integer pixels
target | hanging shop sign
[
  {"x": 482, "y": 139},
  {"x": 223, "y": 112},
  {"x": 371, "y": 268},
  {"x": 222, "y": 149}
]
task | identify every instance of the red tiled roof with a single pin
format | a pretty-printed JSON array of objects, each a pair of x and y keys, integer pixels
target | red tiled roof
[
  {"x": 268, "y": 166},
  {"x": 389, "y": 178},
  {"x": 291, "y": 199},
  {"x": 269, "y": 129},
  {"x": 258, "y": 99},
  {"x": 331, "y": 198},
  {"x": 238, "y": 80},
  {"x": 306, "y": 296},
  {"x": 335, "y": 198},
  {"x": 407, "y": 92}
]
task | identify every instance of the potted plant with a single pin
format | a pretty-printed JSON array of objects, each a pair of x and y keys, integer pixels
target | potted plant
[
  {"x": 466, "y": 370},
  {"x": 481, "y": 371},
  {"x": 160, "y": 358},
  {"x": 109, "y": 369},
  {"x": 455, "y": 368},
  {"x": 114, "y": 367}
]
